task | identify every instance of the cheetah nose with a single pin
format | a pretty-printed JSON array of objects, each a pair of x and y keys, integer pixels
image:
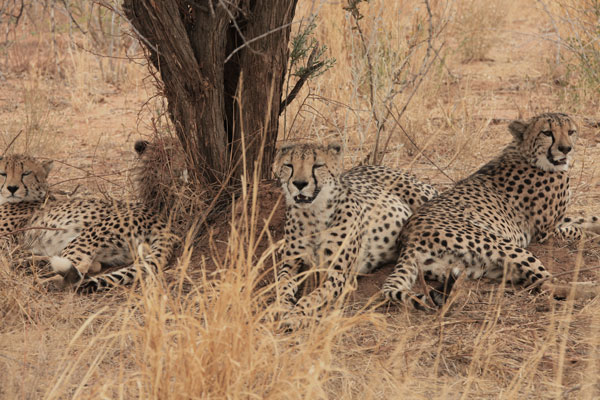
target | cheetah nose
[
  {"x": 12, "y": 189},
  {"x": 564, "y": 149},
  {"x": 300, "y": 184}
]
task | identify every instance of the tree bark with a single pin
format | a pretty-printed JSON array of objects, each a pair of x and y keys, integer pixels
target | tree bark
[{"x": 219, "y": 109}]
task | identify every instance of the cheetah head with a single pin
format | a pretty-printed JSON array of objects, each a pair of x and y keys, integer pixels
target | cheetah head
[
  {"x": 305, "y": 170},
  {"x": 23, "y": 178},
  {"x": 547, "y": 140}
]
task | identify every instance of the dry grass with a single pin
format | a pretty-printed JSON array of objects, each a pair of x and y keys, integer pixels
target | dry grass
[
  {"x": 205, "y": 328},
  {"x": 476, "y": 27}
]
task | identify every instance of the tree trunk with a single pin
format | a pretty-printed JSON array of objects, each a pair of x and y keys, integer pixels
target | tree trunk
[{"x": 188, "y": 43}]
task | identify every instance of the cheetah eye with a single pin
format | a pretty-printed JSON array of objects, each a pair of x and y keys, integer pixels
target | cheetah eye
[
  {"x": 572, "y": 132},
  {"x": 318, "y": 166},
  {"x": 26, "y": 173},
  {"x": 547, "y": 133},
  {"x": 3, "y": 174}
]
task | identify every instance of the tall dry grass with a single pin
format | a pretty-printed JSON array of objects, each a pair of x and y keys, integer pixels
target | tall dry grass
[
  {"x": 62, "y": 59},
  {"x": 206, "y": 327},
  {"x": 575, "y": 58},
  {"x": 191, "y": 333}
]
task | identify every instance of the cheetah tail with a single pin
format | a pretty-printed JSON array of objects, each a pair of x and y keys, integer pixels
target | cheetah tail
[{"x": 99, "y": 283}]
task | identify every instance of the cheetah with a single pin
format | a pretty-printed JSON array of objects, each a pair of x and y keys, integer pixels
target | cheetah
[
  {"x": 161, "y": 181},
  {"x": 78, "y": 236},
  {"x": 345, "y": 222},
  {"x": 482, "y": 226},
  {"x": 159, "y": 172}
]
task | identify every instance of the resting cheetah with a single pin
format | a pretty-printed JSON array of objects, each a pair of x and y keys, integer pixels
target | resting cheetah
[
  {"x": 160, "y": 173},
  {"x": 346, "y": 222},
  {"x": 78, "y": 235},
  {"x": 162, "y": 182},
  {"x": 485, "y": 222}
]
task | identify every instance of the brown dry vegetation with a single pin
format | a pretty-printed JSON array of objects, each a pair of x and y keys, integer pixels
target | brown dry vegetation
[{"x": 205, "y": 328}]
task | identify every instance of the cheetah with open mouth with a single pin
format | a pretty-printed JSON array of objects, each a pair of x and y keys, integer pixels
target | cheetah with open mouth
[{"x": 346, "y": 223}]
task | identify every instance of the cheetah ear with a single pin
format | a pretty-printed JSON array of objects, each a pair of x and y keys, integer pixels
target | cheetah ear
[
  {"x": 335, "y": 148},
  {"x": 47, "y": 166},
  {"x": 140, "y": 146},
  {"x": 517, "y": 128}
]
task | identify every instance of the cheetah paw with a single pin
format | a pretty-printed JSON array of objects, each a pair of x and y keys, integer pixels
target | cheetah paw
[
  {"x": 290, "y": 321},
  {"x": 54, "y": 283},
  {"x": 582, "y": 290}
]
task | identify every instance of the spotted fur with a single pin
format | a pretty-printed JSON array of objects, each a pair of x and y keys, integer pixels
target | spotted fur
[
  {"x": 346, "y": 223},
  {"x": 160, "y": 173},
  {"x": 161, "y": 181},
  {"x": 23, "y": 188},
  {"x": 486, "y": 221},
  {"x": 79, "y": 236}
]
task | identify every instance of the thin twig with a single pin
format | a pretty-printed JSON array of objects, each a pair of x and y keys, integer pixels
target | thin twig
[
  {"x": 417, "y": 147},
  {"x": 24, "y": 363},
  {"x": 70, "y": 15},
  {"x": 356, "y": 16},
  {"x": 572, "y": 271},
  {"x": 12, "y": 141},
  {"x": 308, "y": 71},
  {"x": 554, "y": 25},
  {"x": 129, "y": 58},
  {"x": 234, "y": 21},
  {"x": 139, "y": 36},
  {"x": 246, "y": 44}
]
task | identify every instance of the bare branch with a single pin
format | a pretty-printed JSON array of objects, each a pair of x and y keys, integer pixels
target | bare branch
[
  {"x": 306, "y": 73},
  {"x": 70, "y": 15},
  {"x": 247, "y": 43},
  {"x": 397, "y": 121}
]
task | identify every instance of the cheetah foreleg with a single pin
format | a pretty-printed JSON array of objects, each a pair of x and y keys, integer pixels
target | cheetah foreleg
[
  {"x": 293, "y": 257},
  {"x": 321, "y": 297},
  {"x": 398, "y": 286},
  {"x": 287, "y": 282},
  {"x": 338, "y": 257},
  {"x": 314, "y": 304}
]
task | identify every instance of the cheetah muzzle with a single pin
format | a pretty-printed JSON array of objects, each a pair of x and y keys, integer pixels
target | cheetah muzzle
[{"x": 303, "y": 199}]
